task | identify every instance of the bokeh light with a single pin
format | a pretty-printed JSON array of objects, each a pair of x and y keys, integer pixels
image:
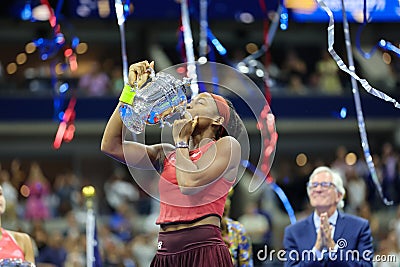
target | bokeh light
[
  {"x": 301, "y": 159},
  {"x": 351, "y": 159},
  {"x": 25, "y": 191},
  {"x": 30, "y": 48},
  {"x": 251, "y": 48},
  {"x": 386, "y": 58},
  {"x": 81, "y": 48},
  {"x": 12, "y": 68},
  {"x": 21, "y": 58}
]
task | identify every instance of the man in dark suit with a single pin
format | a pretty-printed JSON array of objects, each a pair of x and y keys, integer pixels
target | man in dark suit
[{"x": 328, "y": 237}]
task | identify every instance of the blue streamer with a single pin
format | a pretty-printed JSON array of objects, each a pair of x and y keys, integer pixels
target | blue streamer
[
  {"x": 217, "y": 44},
  {"x": 212, "y": 39},
  {"x": 284, "y": 18},
  {"x": 382, "y": 43},
  {"x": 271, "y": 34},
  {"x": 215, "y": 80},
  {"x": 281, "y": 194},
  {"x": 389, "y": 46},
  {"x": 26, "y": 13},
  {"x": 369, "y": 54},
  {"x": 58, "y": 9}
]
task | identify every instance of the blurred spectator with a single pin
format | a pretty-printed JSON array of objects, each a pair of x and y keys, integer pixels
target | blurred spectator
[
  {"x": 117, "y": 80},
  {"x": 66, "y": 187},
  {"x": 293, "y": 65},
  {"x": 391, "y": 178},
  {"x": 76, "y": 251},
  {"x": 236, "y": 238},
  {"x": 356, "y": 191},
  {"x": 53, "y": 252},
  {"x": 296, "y": 86},
  {"x": 388, "y": 251},
  {"x": 11, "y": 195},
  {"x": 313, "y": 83},
  {"x": 111, "y": 247},
  {"x": 96, "y": 82},
  {"x": 329, "y": 81},
  {"x": 127, "y": 257},
  {"x": 361, "y": 166},
  {"x": 395, "y": 225},
  {"x": 18, "y": 176},
  {"x": 339, "y": 163},
  {"x": 364, "y": 211},
  {"x": 80, "y": 209},
  {"x": 119, "y": 191},
  {"x": 39, "y": 190},
  {"x": 373, "y": 196},
  {"x": 143, "y": 248},
  {"x": 121, "y": 222},
  {"x": 74, "y": 229},
  {"x": 111, "y": 255},
  {"x": 257, "y": 226},
  {"x": 40, "y": 236}
]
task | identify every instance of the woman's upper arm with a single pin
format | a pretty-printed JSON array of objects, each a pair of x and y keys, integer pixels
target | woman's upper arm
[
  {"x": 220, "y": 160},
  {"x": 29, "y": 255},
  {"x": 25, "y": 242},
  {"x": 143, "y": 156}
]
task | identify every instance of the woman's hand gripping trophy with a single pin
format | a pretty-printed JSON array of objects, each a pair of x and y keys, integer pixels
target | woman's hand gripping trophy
[{"x": 139, "y": 73}]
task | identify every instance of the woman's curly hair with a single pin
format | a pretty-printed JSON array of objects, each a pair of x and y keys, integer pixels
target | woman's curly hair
[{"x": 235, "y": 125}]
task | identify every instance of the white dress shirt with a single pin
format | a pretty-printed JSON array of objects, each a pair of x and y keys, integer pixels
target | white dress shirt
[{"x": 317, "y": 223}]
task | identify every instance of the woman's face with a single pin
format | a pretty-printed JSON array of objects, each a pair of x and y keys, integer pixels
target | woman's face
[{"x": 203, "y": 106}]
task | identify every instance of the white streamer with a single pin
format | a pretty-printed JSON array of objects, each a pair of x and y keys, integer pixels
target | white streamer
[
  {"x": 351, "y": 71},
  {"x": 119, "y": 10},
  {"x": 188, "y": 40},
  {"x": 342, "y": 66},
  {"x": 90, "y": 221},
  {"x": 203, "y": 28}
]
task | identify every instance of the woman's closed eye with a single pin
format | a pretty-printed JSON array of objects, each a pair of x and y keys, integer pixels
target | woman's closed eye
[{"x": 200, "y": 101}]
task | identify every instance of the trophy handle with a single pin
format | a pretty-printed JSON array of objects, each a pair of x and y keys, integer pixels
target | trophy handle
[
  {"x": 163, "y": 123},
  {"x": 152, "y": 72},
  {"x": 185, "y": 114}
]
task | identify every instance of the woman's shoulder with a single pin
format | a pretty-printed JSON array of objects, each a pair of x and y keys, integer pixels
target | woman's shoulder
[
  {"x": 229, "y": 141},
  {"x": 20, "y": 237}
]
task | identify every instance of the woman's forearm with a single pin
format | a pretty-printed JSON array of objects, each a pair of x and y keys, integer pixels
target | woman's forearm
[
  {"x": 111, "y": 143},
  {"x": 185, "y": 167}
]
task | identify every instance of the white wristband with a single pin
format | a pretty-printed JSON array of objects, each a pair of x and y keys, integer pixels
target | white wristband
[{"x": 181, "y": 144}]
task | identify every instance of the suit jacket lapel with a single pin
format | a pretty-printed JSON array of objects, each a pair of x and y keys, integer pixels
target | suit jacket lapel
[
  {"x": 311, "y": 229},
  {"x": 339, "y": 227}
]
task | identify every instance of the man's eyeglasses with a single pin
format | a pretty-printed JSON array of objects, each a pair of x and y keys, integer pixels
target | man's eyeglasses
[{"x": 324, "y": 185}]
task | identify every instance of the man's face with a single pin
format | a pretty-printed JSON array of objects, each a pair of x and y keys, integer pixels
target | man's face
[{"x": 322, "y": 192}]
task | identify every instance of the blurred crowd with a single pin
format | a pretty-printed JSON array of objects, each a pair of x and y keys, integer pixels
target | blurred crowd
[
  {"x": 53, "y": 209},
  {"x": 296, "y": 71}
]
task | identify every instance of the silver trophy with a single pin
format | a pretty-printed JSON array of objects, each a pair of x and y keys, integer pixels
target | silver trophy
[{"x": 158, "y": 99}]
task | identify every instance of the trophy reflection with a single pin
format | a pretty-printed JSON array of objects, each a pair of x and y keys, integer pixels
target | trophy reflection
[{"x": 158, "y": 99}]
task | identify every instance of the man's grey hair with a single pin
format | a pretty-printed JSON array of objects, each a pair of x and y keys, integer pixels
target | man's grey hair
[{"x": 336, "y": 180}]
